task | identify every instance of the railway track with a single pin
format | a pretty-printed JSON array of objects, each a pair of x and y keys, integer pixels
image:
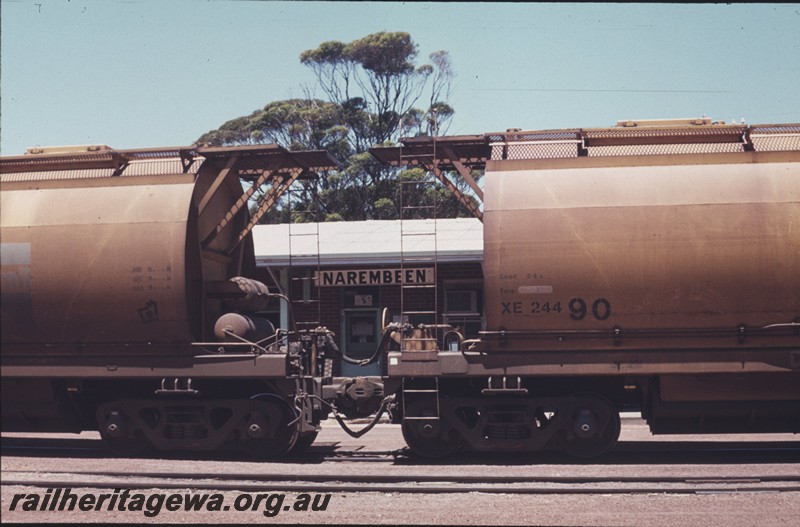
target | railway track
[
  {"x": 404, "y": 483},
  {"x": 624, "y": 452}
]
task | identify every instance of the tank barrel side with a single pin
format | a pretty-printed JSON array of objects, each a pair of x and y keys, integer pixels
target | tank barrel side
[{"x": 95, "y": 260}]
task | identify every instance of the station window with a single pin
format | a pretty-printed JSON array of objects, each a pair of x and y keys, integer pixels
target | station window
[
  {"x": 463, "y": 307},
  {"x": 461, "y": 302}
]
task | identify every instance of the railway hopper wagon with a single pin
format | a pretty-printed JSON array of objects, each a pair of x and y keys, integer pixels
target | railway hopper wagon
[
  {"x": 652, "y": 266},
  {"x": 128, "y": 303}
]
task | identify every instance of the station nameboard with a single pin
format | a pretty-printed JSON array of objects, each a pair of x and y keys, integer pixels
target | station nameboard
[{"x": 376, "y": 277}]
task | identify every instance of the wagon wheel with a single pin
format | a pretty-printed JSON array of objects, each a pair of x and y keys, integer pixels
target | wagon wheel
[
  {"x": 268, "y": 429},
  {"x": 595, "y": 427},
  {"x": 118, "y": 432},
  {"x": 428, "y": 437}
]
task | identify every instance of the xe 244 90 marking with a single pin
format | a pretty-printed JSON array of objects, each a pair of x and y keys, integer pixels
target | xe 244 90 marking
[{"x": 578, "y": 308}]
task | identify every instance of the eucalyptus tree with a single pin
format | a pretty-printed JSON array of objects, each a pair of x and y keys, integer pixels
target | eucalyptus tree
[{"x": 373, "y": 90}]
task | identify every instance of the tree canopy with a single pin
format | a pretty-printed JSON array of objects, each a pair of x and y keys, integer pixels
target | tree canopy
[{"x": 373, "y": 89}]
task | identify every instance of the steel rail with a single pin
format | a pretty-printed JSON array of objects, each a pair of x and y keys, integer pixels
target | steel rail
[
  {"x": 320, "y": 452},
  {"x": 699, "y": 486},
  {"x": 422, "y": 478}
]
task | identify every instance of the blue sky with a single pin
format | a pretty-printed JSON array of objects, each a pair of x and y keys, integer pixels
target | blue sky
[{"x": 141, "y": 73}]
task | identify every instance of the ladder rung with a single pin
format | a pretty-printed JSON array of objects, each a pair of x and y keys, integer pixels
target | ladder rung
[
  {"x": 305, "y": 301},
  {"x": 417, "y": 233},
  {"x": 421, "y": 391},
  {"x": 420, "y": 418},
  {"x": 304, "y": 234},
  {"x": 307, "y": 323}
]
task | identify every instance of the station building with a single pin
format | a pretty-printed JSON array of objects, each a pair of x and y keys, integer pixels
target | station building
[{"x": 343, "y": 275}]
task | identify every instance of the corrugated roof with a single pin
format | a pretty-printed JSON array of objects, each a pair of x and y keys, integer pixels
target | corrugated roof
[{"x": 368, "y": 242}]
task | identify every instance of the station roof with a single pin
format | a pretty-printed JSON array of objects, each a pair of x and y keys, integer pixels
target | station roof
[{"x": 368, "y": 242}]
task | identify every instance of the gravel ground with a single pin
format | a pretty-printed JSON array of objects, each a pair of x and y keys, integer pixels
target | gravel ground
[
  {"x": 729, "y": 510},
  {"x": 708, "y": 509}
]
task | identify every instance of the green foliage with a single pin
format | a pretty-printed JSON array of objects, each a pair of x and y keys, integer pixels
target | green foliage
[
  {"x": 372, "y": 87},
  {"x": 384, "y": 54},
  {"x": 297, "y": 124},
  {"x": 419, "y": 195},
  {"x": 327, "y": 52},
  {"x": 334, "y": 216}
]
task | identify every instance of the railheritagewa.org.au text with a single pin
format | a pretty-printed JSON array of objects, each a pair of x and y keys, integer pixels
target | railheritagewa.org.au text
[{"x": 151, "y": 504}]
